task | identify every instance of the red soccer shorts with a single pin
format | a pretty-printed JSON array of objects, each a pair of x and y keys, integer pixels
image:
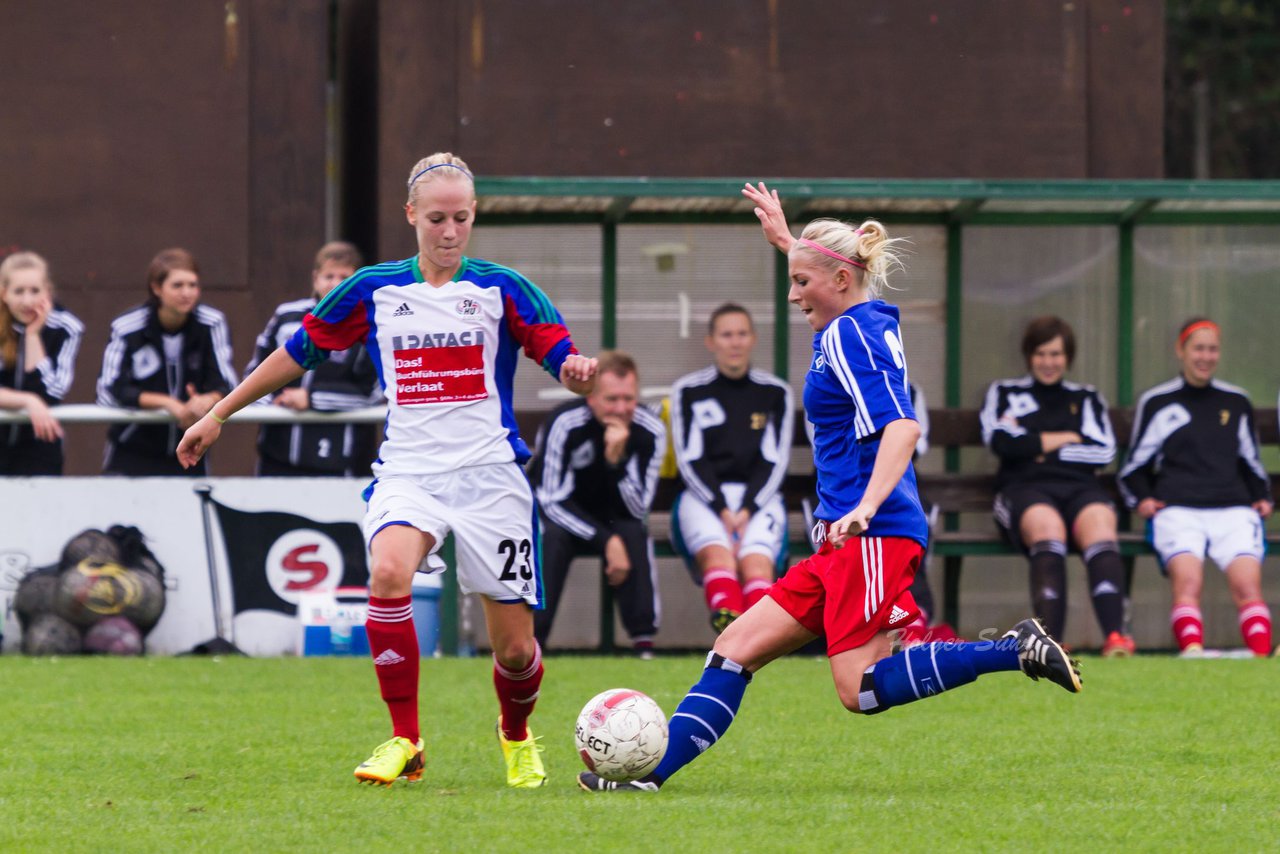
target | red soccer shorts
[{"x": 851, "y": 593}]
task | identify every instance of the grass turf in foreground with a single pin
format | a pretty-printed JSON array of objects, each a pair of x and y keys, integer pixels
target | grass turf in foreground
[{"x": 239, "y": 754}]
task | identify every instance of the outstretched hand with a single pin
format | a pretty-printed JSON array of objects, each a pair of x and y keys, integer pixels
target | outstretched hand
[
  {"x": 197, "y": 440},
  {"x": 578, "y": 373},
  {"x": 768, "y": 209}
]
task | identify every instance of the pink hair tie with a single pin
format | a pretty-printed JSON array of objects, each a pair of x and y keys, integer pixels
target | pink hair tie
[{"x": 831, "y": 253}]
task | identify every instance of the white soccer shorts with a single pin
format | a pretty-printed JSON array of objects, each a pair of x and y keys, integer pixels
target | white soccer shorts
[
  {"x": 700, "y": 526},
  {"x": 1223, "y": 533},
  {"x": 490, "y": 511}
]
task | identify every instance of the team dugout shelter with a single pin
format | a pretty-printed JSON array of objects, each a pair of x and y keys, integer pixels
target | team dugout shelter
[{"x": 639, "y": 264}]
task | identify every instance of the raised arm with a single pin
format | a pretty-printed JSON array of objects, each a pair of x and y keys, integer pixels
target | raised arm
[{"x": 768, "y": 209}]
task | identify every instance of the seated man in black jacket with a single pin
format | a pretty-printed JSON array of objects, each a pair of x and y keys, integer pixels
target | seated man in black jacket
[{"x": 595, "y": 470}]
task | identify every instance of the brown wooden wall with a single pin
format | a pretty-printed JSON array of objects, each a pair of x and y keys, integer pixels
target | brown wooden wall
[
  {"x": 828, "y": 88},
  {"x": 134, "y": 125}
]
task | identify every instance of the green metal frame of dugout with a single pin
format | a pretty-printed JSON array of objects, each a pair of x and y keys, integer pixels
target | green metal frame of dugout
[{"x": 954, "y": 205}]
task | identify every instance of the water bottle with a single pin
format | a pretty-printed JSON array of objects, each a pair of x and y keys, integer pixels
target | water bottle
[{"x": 340, "y": 638}]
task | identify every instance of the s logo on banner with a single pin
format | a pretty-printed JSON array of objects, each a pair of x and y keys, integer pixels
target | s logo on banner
[{"x": 303, "y": 561}]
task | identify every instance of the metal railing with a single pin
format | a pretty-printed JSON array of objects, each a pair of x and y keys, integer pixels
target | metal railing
[{"x": 90, "y": 413}]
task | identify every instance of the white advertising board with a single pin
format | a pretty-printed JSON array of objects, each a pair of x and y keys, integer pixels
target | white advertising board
[{"x": 300, "y": 527}]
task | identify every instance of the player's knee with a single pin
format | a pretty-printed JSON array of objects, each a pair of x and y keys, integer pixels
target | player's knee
[
  {"x": 390, "y": 576},
  {"x": 516, "y": 653},
  {"x": 849, "y": 698}
]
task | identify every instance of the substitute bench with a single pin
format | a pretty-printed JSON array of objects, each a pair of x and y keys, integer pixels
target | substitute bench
[{"x": 952, "y": 492}]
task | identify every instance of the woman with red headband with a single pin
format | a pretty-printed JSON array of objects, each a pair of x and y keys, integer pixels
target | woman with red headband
[{"x": 1193, "y": 470}]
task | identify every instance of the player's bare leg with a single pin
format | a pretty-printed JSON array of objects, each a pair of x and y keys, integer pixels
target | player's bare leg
[
  {"x": 848, "y": 668},
  {"x": 395, "y": 554},
  {"x": 517, "y": 677},
  {"x": 761, "y": 635}
]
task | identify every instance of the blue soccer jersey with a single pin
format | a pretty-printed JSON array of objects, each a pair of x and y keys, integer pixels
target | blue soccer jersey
[{"x": 856, "y": 386}]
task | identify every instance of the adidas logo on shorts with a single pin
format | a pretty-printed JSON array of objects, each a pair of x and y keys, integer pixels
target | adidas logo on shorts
[
  {"x": 896, "y": 616},
  {"x": 403, "y": 310},
  {"x": 388, "y": 657}
]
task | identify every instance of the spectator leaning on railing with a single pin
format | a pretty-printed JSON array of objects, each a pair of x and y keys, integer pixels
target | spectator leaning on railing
[
  {"x": 38, "y": 344},
  {"x": 347, "y": 380},
  {"x": 172, "y": 353}
]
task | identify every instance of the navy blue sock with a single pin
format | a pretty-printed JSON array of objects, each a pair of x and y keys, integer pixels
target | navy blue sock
[
  {"x": 929, "y": 669},
  {"x": 703, "y": 715}
]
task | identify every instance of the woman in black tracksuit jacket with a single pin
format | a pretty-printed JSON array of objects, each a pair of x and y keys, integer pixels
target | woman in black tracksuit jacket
[
  {"x": 172, "y": 353},
  {"x": 38, "y": 344},
  {"x": 347, "y": 380}
]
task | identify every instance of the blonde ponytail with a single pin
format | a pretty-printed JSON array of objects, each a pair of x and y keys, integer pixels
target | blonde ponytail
[{"x": 868, "y": 248}]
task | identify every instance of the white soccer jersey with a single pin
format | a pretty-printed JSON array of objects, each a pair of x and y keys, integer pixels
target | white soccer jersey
[{"x": 446, "y": 357}]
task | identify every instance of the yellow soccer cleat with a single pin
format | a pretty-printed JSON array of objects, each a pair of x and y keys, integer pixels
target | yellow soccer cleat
[
  {"x": 524, "y": 761},
  {"x": 397, "y": 759}
]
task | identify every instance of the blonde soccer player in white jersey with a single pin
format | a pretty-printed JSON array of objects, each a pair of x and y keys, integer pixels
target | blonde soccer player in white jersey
[{"x": 444, "y": 331}]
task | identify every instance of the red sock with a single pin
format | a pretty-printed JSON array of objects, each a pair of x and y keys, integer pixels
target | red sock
[
  {"x": 755, "y": 589},
  {"x": 721, "y": 587},
  {"x": 1255, "y": 627},
  {"x": 1188, "y": 626},
  {"x": 517, "y": 693},
  {"x": 394, "y": 647}
]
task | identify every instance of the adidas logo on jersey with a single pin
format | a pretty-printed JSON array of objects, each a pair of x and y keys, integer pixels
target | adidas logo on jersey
[
  {"x": 402, "y": 311},
  {"x": 388, "y": 657}
]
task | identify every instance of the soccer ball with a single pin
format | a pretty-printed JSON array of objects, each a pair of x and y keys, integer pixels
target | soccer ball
[
  {"x": 113, "y": 636},
  {"x": 621, "y": 734}
]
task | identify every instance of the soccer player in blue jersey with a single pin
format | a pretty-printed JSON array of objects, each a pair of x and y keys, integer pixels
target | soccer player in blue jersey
[
  {"x": 873, "y": 530},
  {"x": 444, "y": 332}
]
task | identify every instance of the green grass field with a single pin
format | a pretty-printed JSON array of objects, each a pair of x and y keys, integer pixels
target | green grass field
[{"x": 256, "y": 755}]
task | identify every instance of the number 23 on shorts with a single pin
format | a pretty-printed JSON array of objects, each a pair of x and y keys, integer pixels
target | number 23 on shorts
[{"x": 518, "y": 557}]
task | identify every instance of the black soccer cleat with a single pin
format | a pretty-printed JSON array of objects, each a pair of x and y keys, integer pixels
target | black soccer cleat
[
  {"x": 1042, "y": 657},
  {"x": 590, "y": 782}
]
